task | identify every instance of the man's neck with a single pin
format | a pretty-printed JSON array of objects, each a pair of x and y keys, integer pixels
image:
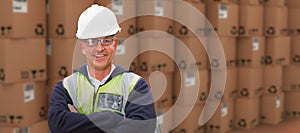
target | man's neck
[{"x": 99, "y": 74}]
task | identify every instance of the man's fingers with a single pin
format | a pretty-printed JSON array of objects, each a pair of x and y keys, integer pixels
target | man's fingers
[{"x": 72, "y": 108}]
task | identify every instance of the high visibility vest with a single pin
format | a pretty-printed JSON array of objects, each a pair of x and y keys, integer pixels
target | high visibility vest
[{"x": 112, "y": 96}]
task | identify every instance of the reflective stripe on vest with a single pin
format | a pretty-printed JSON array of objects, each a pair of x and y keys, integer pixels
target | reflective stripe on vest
[{"x": 112, "y": 95}]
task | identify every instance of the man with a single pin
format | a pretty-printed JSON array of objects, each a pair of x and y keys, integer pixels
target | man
[{"x": 100, "y": 96}]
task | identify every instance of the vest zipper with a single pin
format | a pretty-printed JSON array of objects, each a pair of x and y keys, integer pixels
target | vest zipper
[{"x": 94, "y": 97}]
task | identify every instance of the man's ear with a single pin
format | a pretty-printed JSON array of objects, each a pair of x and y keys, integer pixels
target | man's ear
[{"x": 116, "y": 42}]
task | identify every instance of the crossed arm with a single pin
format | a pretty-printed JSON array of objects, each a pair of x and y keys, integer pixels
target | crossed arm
[{"x": 64, "y": 118}]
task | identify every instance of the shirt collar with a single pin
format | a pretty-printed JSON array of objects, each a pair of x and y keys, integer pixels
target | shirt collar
[{"x": 98, "y": 82}]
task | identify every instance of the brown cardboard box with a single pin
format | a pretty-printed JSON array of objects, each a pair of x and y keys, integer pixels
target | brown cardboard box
[
  {"x": 155, "y": 15},
  {"x": 190, "y": 86},
  {"x": 60, "y": 57},
  {"x": 126, "y": 53},
  {"x": 27, "y": 103},
  {"x": 189, "y": 18},
  {"x": 191, "y": 53},
  {"x": 222, "y": 120},
  {"x": 293, "y": 21},
  {"x": 291, "y": 79},
  {"x": 125, "y": 10},
  {"x": 293, "y": 3},
  {"x": 250, "y": 2},
  {"x": 156, "y": 54},
  {"x": 224, "y": 18},
  {"x": 272, "y": 108},
  {"x": 275, "y": 21},
  {"x": 191, "y": 122},
  {"x": 39, "y": 127},
  {"x": 251, "y": 51},
  {"x": 295, "y": 50},
  {"x": 229, "y": 46},
  {"x": 63, "y": 16},
  {"x": 23, "y": 18},
  {"x": 274, "y": 2},
  {"x": 22, "y": 60},
  {"x": 246, "y": 113},
  {"x": 251, "y": 20},
  {"x": 292, "y": 106},
  {"x": 272, "y": 79},
  {"x": 222, "y": 1},
  {"x": 278, "y": 50},
  {"x": 218, "y": 90},
  {"x": 161, "y": 86},
  {"x": 250, "y": 82},
  {"x": 165, "y": 118}
]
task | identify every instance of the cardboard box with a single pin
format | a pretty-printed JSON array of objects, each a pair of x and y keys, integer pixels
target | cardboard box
[
  {"x": 221, "y": 1},
  {"x": 295, "y": 50},
  {"x": 272, "y": 79},
  {"x": 22, "y": 60},
  {"x": 223, "y": 87},
  {"x": 161, "y": 86},
  {"x": 155, "y": 15},
  {"x": 250, "y": 82},
  {"x": 27, "y": 103},
  {"x": 156, "y": 54},
  {"x": 23, "y": 18},
  {"x": 189, "y": 123},
  {"x": 292, "y": 107},
  {"x": 126, "y": 53},
  {"x": 224, "y": 18},
  {"x": 251, "y": 51},
  {"x": 125, "y": 10},
  {"x": 39, "y": 127},
  {"x": 229, "y": 49},
  {"x": 246, "y": 113},
  {"x": 250, "y": 2},
  {"x": 293, "y": 21},
  {"x": 274, "y": 2},
  {"x": 190, "y": 87},
  {"x": 165, "y": 118},
  {"x": 191, "y": 53},
  {"x": 272, "y": 109},
  {"x": 60, "y": 57},
  {"x": 222, "y": 120},
  {"x": 291, "y": 78},
  {"x": 251, "y": 20},
  {"x": 63, "y": 16},
  {"x": 275, "y": 21},
  {"x": 189, "y": 18},
  {"x": 278, "y": 50},
  {"x": 293, "y": 3}
]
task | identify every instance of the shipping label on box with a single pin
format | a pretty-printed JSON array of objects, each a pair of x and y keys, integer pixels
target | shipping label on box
[{"x": 27, "y": 106}]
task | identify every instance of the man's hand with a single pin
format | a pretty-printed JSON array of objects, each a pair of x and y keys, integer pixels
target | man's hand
[{"x": 72, "y": 108}]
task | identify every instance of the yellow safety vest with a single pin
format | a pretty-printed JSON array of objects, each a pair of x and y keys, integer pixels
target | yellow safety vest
[{"x": 111, "y": 96}]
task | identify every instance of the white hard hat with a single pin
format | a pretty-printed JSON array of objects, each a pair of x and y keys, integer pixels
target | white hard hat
[{"x": 97, "y": 21}]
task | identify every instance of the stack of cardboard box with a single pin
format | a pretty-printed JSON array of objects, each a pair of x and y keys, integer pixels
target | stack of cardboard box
[
  {"x": 291, "y": 84},
  {"x": 191, "y": 74},
  {"x": 23, "y": 66},
  {"x": 156, "y": 50},
  {"x": 277, "y": 55},
  {"x": 223, "y": 16}
]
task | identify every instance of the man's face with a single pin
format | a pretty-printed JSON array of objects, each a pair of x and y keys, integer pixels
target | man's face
[{"x": 99, "y": 52}]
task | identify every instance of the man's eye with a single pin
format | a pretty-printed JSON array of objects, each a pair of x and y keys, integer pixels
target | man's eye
[{"x": 106, "y": 41}]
